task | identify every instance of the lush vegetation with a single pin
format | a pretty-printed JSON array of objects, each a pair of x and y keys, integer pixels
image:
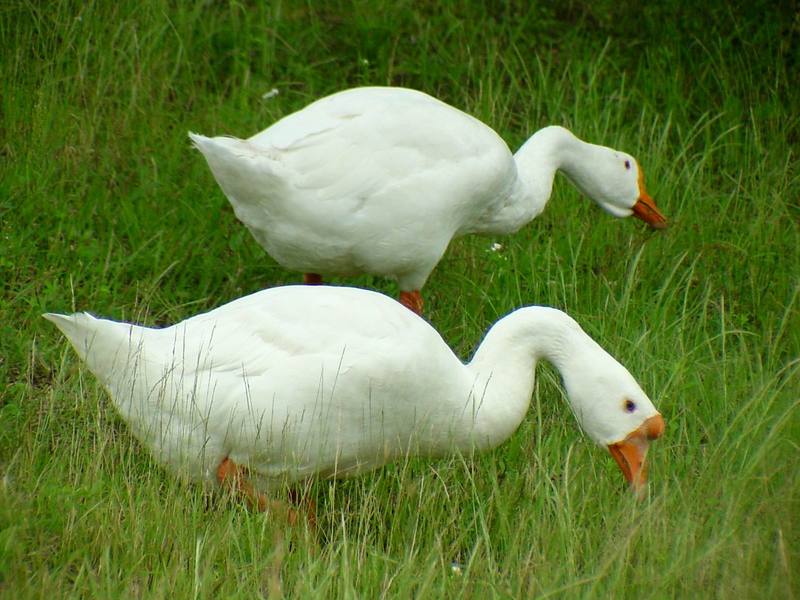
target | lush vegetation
[{"x": 104, "y": 206}]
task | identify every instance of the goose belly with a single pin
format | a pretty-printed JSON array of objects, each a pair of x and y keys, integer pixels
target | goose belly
[
  {"x": 353, "y": 248},
  {"x": 172, "y": 419}
]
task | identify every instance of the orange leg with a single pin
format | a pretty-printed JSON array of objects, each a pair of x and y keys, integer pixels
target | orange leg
[
  {"x": 312, "y": 278},
  {"x": 299, "y": 498},
  {"x": 234, "y": 477},
  {"x": 412, "y": 300}
]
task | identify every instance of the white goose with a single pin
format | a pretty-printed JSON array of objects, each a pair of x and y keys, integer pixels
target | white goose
[
  {"x": 293, "y": 382},
  {"x": 379, "y": 180}
]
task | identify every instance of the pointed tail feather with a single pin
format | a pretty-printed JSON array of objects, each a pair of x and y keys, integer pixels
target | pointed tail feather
[
  {"x": 78, "y": 328},
  {"x": 248, "y": 174},
  {"x": 225, "y": 148},
  {"x": 99, "y": 342},
  {"x": 201, "y": 142}
]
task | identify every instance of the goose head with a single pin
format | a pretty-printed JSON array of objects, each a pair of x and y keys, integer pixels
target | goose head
[
  {"x": 615, "y": 181},
  {"x": 614, "y": 412}
]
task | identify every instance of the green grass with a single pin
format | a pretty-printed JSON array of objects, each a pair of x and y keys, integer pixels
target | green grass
[{"x": 104, "y": 206}]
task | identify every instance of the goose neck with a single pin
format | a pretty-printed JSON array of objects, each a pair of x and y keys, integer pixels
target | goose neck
[
  {"x": 547, "y": 151},
  {"x": 503, "y": 366}
]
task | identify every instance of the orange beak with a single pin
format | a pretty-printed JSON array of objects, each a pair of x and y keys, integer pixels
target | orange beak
[
  {"x": 646, "y": 209},
  {"x": 631, "y": 452}
]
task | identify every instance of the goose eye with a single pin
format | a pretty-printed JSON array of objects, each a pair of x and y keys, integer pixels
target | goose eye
[
  {"x": 628, "y": 165},
  {"x": 630, "y": 406}
]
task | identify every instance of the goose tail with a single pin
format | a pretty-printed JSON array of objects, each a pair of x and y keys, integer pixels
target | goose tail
[
  {"x": 103, "y": 345},
  {"x": 226, "y": 153},
  {"x": 248, "y": 174}
]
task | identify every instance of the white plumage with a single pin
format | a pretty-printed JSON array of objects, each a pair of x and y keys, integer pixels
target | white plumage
[
  {"x": 299, "y": 381},
  {"x": 379, "y": 180}
]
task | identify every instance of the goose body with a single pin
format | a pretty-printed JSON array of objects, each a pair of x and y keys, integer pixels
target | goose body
[
  {"x": 298, "y": 381},
  {"x": 379, "y": 180}
]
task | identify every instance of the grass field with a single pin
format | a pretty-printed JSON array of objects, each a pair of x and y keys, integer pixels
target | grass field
[{"x": 105, "y": 207}]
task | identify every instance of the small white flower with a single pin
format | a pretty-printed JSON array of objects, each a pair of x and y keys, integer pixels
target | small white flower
[
  {"x": 496, "y": 247},
  {"x": 270, "y": 94}
]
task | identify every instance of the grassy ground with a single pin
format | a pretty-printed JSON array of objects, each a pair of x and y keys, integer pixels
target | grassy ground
[{"x": 104, "y": 206}]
